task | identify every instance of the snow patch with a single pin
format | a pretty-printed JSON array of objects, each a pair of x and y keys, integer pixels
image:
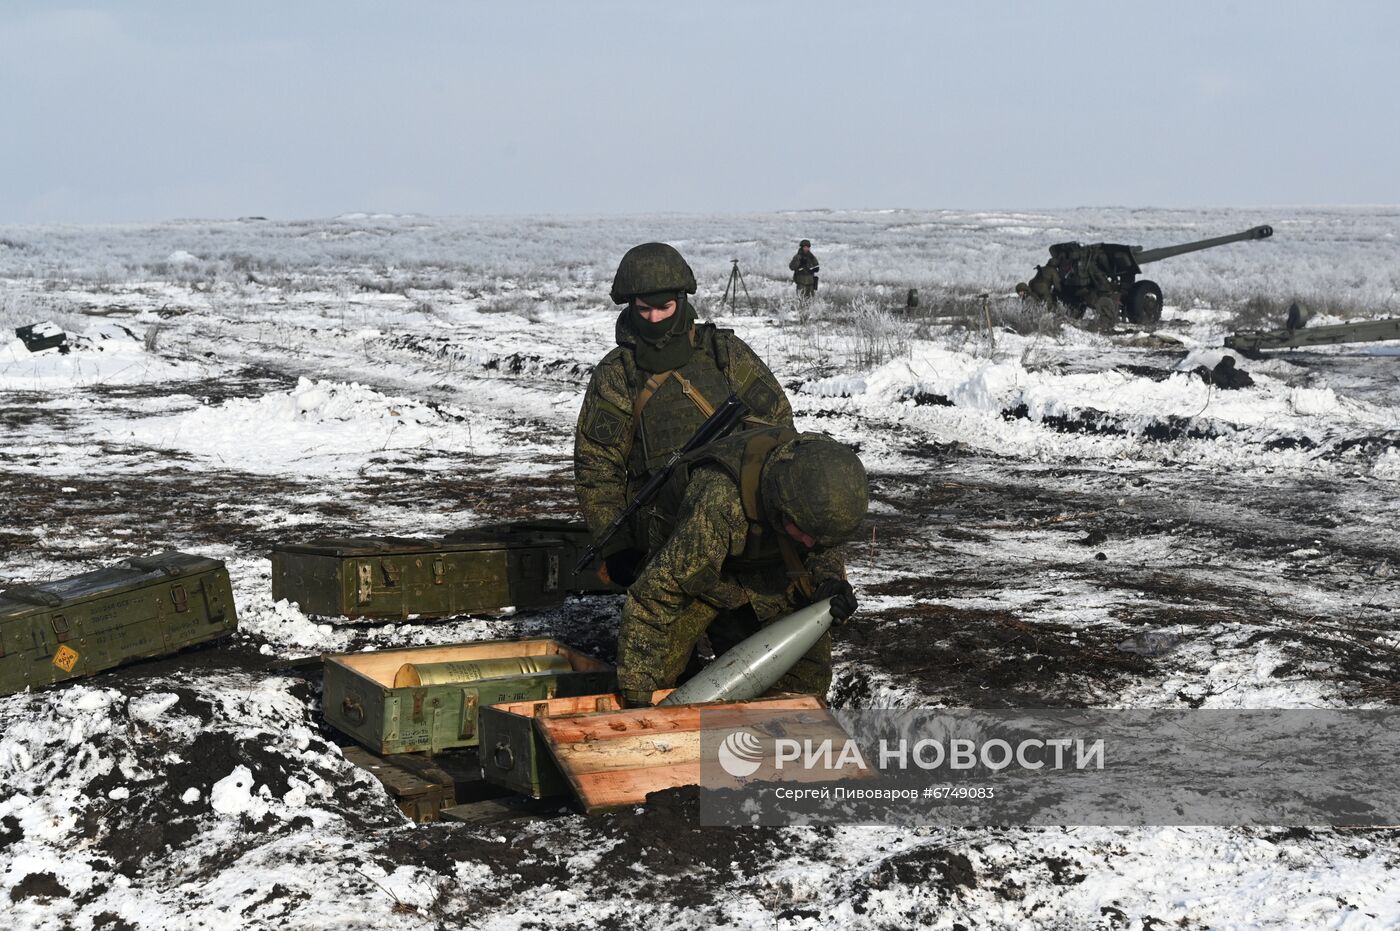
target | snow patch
[
  {"x": 317, "y": 428},
  {"x": 106, "y": 354}
]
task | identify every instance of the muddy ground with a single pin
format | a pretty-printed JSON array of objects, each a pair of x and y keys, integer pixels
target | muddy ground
[{"x": 987, "y": 580}]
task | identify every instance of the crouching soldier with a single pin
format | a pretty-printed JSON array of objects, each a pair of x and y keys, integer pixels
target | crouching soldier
[
  {"x": 753, "y": 524},
  {"x": 648, "y": 396}
]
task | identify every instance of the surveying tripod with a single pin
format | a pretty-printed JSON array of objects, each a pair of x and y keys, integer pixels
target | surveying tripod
[{"x": 731, "y": 290}]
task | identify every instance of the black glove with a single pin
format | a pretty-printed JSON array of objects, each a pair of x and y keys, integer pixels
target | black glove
[
  {"x": 624, "y": 566},
  {"x": 843, "y": 598}
]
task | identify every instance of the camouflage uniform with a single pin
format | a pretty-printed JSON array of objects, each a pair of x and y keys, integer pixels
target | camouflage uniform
[
  {"x": 726, "y": 568},
  {"x": 1045, "y": 286},
  {"x": 804, "y": 267},
  {"x": 617, "y": 446}
]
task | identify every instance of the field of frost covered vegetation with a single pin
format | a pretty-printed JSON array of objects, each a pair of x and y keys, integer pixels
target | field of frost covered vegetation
[{"x": 1060, "y": 518}]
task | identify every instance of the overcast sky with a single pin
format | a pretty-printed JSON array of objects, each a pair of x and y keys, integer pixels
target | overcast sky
[{"x": 140, "y": 111}]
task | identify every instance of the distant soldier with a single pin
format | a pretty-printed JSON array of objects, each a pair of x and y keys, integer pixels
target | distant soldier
[
  {"x": 755, "y": 521},
  {"x": 804, "y": 267},
  {"x": 1045, "y": 286},
  {"x": 648, "y": 396}
]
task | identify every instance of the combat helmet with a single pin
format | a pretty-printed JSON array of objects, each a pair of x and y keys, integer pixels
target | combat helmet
[
  {"x": 650, "y": 268},
  {"x": 818, "y": 484}
]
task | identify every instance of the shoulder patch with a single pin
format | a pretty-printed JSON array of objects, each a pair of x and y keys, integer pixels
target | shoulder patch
[
  {"x": 700, "y": 582},
  {"x": 605, "y": 423},
  {"x": 759, "y": 396}
]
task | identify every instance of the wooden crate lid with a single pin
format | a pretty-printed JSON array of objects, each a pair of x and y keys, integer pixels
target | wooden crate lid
[{"x": 615, "y": 758}]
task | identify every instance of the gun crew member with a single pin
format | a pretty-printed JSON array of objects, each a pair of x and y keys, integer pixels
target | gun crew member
[
  {"x": 648, "y": 396},
  {"x": 754, "y": 524}
]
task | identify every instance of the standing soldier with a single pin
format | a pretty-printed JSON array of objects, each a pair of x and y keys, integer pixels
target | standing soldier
[
  {"x": 804, "y": 268},
  {"x": 755, "y": 519},
  {"x": 650, "y": 394}
]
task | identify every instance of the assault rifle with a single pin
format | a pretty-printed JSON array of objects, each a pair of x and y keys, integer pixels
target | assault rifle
[{"x": 718, "y": 425}]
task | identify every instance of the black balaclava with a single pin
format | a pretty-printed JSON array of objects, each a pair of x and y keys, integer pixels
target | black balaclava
[{"x": 664, "y": 345}]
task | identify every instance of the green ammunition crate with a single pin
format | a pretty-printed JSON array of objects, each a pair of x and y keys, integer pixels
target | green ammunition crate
[
  {"x": 514, "y": 756},
  {"x": 359, "y": 698},
  {"x": 146, "y": 606},
  {"x": 474, "y": 572}
]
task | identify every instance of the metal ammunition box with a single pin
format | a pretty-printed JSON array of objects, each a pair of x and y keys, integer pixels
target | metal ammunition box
[
  {"x": 146, "y": 606},
  {"x": 514, "y": 756},
  {"x": 474, "y": 572},
  {"x": 359, "y": 697},
  {"x": 40, "y": 336}
]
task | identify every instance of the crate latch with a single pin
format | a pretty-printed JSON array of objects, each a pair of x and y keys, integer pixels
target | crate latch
[
  {"x": 213, "y": 601},
  {"x": 180, "y": 597},
  {"x": 60, "y": 626},
  {"x": 469, "y": 702},
  {"x": 551, "y": 577},
  {"x": 439, "y": 570},
  {"x": 364, "y": 578}
]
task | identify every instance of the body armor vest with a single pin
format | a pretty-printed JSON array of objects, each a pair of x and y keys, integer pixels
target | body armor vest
[{"x": 671, "y": 413}]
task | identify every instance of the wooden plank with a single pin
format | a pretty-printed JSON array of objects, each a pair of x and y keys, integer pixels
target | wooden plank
[
  {"x": 422, "y": 766},
  {"x": 615, "y": 758},
  {"x": 603, "y": 790},
  {"x": 510, "y": 808},
  {"x": 417, "y": 797},
  {"x": 661, "y": 720},
  {"x": 582, "y": 704},
  {"x": 641, "y": 751}
]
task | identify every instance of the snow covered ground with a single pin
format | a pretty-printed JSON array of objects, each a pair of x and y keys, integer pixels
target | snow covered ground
[{"x": 1059, "y": 518}]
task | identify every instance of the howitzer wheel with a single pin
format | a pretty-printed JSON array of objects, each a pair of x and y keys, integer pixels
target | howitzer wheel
[{"x": 1144, "y": 304}]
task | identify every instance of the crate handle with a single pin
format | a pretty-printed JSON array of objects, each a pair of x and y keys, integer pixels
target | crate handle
[
  {"x": 351, "y": 707},
  {"x": 503, "y": 750}
]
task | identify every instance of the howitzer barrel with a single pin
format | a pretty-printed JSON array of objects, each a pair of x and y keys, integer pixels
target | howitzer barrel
[
  {"x": 1143, "y": 256},
  {"x": 1363, "y": 332}
]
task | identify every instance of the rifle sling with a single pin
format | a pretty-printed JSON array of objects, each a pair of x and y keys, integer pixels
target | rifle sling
[{"x": 654, "y": 383}]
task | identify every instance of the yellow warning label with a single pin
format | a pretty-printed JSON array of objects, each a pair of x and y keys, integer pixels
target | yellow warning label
[{"x": 66, "y": 658}]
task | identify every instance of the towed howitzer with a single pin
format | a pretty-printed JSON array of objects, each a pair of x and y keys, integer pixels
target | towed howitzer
[
  {"x": 1103, "y": 276},
  {"x": 718, "y": 425},
  {"x": 1295, "y": 335}
]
